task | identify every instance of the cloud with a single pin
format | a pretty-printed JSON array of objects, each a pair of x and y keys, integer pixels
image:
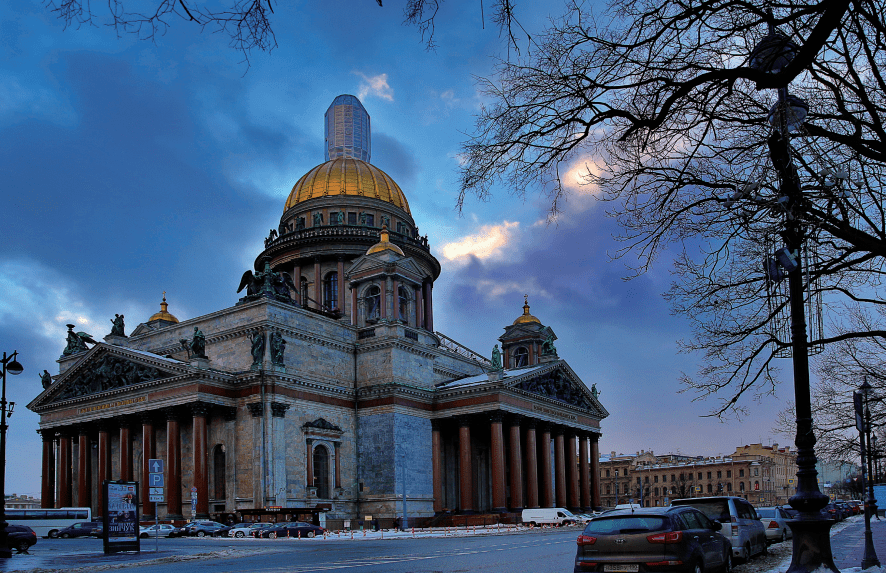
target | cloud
[
  {"x": 375, "y": 86},
  {"x": 493, "y": 288},
  {"x": 19, "y": 101},
  {"x": 489, "y": 242}
]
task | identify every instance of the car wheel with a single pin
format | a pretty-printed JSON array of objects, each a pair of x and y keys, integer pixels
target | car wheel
[
  {"x": 201, "y": 534},
  {"x": 311, "y": 534},
  {"x": 239, "y": 534},
  {"x": 532, "y": 524},
  {"x": 65, "y": 535},
  {"x": 727, "y": 567},
  {"x": 144, "y": 535},
  {"x": 272, "y": 535},
  {"x": 53, "y": 534}
]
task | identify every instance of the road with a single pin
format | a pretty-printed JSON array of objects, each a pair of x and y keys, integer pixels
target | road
[{"x": 527, "y": 552}]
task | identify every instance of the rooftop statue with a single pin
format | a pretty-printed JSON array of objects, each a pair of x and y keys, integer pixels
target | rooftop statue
[
  {"x": 278, "y": 347},
  {"x": 496, "y": 359},
  {"x": 77, "y": 341},
  {"x": 46, "y": 379},
  {"x": 266, "y": 283},
  {"x": 258, "y": 348},
  {"x": 198, "y": 344},
  {"x": 547, "y": 347},
  {"x": 118, "y": 327}
]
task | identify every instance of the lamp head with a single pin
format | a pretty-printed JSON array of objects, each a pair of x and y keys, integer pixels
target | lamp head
[
  {"x": 12, "y": 365},
  {"x": 865, "y": 388}
]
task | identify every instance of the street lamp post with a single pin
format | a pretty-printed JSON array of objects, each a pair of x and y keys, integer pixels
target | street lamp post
[
  {"x": 616, "y": 487},
  {"x": 870, "y": 505},
  {"x": 11, "y": 365},
  {"x": 812, "y": 544}
]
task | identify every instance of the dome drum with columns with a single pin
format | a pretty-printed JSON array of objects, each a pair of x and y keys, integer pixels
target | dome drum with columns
[{"x": 329, "y": 408}]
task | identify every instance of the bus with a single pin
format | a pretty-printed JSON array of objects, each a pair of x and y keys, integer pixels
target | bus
[{"x": 48, "y": 522}]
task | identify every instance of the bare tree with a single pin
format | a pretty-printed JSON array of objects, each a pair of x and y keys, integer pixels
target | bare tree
[
  {"x": 246, "y": 22},
  {"x": 840, "y": 371},
  {"x": 657, "y": 101}
]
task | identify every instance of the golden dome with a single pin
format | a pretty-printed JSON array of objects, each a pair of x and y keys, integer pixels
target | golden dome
[
  {"x": 347, "y": 176},
  {"x": 385, "y": 244},
  {"x": 163, "y": 314},
  {"x": 526, "y": 317}
]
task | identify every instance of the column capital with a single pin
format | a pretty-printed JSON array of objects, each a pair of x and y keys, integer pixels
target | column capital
[
  {"x": 531, "y": 423},
  {"x": 47, "y": 434},
  {"x": 463, "y": 421},
  {"x": 436, "y": 425},
  {"x": 515, "y": 419},
  {"x": 496, "y": 416},
  {"x": 229, "y": 414},
  {"x": 278, "y": 409},
  {"x": 82, "y": 430},
  {"x": 558, "y": 430},
  {"x": 103, "y": 426},
  {"x": 147, "y": 418},
  {"x": 257, "y": 409},
  {"x": 171, "y": 414},
  {"x": 200, "y": 409}
]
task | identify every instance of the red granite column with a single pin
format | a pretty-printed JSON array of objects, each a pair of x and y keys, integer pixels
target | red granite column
[
  {"x": 47, "y": 483},
  {"x": 560, "y": 467},
  {"x": 337, "y": 446},
  {"x": 516, "y": 467},
  {"x": 201, "y": 475},
  {"x": 296, "y": 280},
  {"x": 173, "y": 466},
  {"x": 419, "y": 315},
  {"x": 465, "y": 469},
  {"x": 584, "y": 473},
  {"x": 64, "y": 478},
  {"x": 572, "y": 471},
  {"x": 353, "y": 305},
  {"x": 104, "y": 465},
  {"x": 341, "y": 284},
  {"x": 395, "y": 294},
  {"x": 309, "y": 462},
  {"x": 318, "y": 284},
  {"x": 547, "y": 487},
  {"x": 148, "y": 453},
  {"x": 531, "y": 465},
  {"x": 497, "y": 453},
  {"x": 125, "y": 452},
  {"x": 84, "y": 471},
  {"x": 595, "y": 471},
  {"x": 437, "y": 465}
]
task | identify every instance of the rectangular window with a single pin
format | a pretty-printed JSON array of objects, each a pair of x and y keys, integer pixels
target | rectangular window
[
  {"x": 370, "y": 220},
  {"x": 729, "y": 473},
  {"x": 719, "y": 474},
  {"x": 655, "y": 479},
  {"x": 709, "y": 475},
  {"x": 699, "y": 475},
  {"x": 741, "y": 473},
  {"x": 352, "y": 218}
]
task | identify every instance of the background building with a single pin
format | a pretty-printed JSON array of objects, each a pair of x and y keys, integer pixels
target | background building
[{"x": 764, "y": 475}]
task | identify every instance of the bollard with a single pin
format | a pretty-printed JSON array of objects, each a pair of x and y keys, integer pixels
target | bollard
[
  {"x": 413, "y": 533},
  {"x": 299, "y": 534},
  {"x": 352, "y": 534},
  {"x": 382, "y": 533}
]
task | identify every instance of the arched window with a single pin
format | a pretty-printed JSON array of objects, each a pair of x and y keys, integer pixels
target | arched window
[
  {"x": 521, "y": 357},
  {"x": 330, "y": 291},
  {"x": 403, "y": 298},
  {"x": 303, "y": 292},
  {"x": 218, "y": 472},
  {"x": 321, "y": 471},
  {"x": 741, "y": 486},
  {"x": 372, "y": 300}
]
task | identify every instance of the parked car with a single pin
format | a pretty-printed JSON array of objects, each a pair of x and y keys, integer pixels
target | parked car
[
  {"x": 81, "y": 529},
  {"x": 251, "y": 530},
  {"x": 846, "y": 508},
  {"x": 292, "y": 529},
  {"x": 20, "y": 537},
  {"x": 158, "y": 530},
  {"x": 775, "y": 520},
  {"x": 833, "y": 511},
  {"x": 548, "y": 516},
  {"x": 201, "y": 528},
  {"x": 676, "y": 538},
  {"x": 856, "y": 505},
  {"x": 741, "y": 524}
]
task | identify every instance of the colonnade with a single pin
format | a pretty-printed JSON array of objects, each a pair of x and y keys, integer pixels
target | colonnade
[{"x": 520, "y": 452}]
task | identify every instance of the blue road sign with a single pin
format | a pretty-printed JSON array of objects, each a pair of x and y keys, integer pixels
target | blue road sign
[
  {"x": 155, "y": 480},
  {"x": 155, "y": 466}
]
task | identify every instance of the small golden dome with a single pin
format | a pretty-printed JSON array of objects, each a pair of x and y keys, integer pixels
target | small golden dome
[
  {"x": 163, "y": 314},
  {"x": 347, "y": 176},
  {"x": 385, "y": 244},
  {"x": 526, "y": 317}
]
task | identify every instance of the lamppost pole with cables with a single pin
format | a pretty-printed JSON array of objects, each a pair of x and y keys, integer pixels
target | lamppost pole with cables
[{"x": 12, "y": 366}]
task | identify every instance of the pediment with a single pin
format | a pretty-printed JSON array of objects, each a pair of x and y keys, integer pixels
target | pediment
[
  {"x": 373, "y": 263},
  {"x": 559, "y": 383},
  {"x": 104, "y": 368}
]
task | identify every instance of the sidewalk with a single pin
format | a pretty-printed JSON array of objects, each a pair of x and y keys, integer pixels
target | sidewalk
[{"x": 848, "y": 545}]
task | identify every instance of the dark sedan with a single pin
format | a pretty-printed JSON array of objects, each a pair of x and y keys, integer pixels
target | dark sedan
[
  {"x": 293, "y": 529},
  {"x": 201, "y": 528},
  {"x": 20, "y": 537},
  {"x": 679, "y": 538},
  {"x": 82, "y": 529}
]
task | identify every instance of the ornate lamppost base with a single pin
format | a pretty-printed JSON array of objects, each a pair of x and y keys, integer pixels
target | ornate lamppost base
[{"x": 812, "y": 545}]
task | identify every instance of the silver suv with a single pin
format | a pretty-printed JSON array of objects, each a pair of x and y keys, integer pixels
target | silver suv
[{"x": 741, "y": 524}]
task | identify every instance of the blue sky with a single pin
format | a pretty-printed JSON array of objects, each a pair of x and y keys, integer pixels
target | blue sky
[{"x": 130, "y": 168}]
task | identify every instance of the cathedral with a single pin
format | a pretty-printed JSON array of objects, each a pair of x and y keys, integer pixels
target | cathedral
[{"x": 325, "y": 388}]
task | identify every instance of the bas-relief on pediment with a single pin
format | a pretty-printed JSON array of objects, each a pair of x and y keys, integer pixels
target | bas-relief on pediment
[
  {"x": 557, "y": 385},
  {"x": 106, "y": 372}
]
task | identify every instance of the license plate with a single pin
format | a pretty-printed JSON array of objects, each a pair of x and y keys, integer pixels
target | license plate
[{"x": 621, "y": 568}]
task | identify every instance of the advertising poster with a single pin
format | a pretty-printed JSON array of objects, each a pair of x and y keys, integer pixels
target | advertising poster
[{"x": 121, "y": 517}]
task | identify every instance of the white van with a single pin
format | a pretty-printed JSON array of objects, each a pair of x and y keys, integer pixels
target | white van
[{"x": 548, "y": 516}]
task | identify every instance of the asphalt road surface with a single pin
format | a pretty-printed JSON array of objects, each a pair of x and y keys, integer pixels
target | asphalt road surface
[{"x": 530, "y": 552}]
